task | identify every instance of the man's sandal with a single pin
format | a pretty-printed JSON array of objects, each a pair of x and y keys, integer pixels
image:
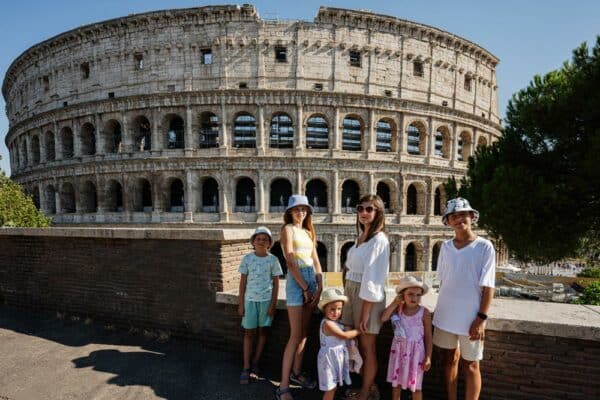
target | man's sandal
[
  {"x": 279, "y": 392},
  {"x": 303, "y": 380},
  {"x": 245, "y": 377}
]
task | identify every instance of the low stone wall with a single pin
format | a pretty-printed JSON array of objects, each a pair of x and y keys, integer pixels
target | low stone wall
[{"x": 185, "y": 281}]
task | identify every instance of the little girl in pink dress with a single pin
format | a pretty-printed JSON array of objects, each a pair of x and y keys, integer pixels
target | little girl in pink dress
[{"x": 410, "y": 353}]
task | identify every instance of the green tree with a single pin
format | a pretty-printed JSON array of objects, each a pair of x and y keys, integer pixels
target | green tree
[
  {"x": 17, "y": 209},
  {"x": 538, "y": 187},
  {"x": 590, "y": 295}
]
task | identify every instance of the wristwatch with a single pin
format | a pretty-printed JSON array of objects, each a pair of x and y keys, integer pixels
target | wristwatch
[{"x": 482, "y": 316}]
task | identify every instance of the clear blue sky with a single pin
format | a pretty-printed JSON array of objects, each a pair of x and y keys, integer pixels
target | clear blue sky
[{"x": 529, "y": 36}]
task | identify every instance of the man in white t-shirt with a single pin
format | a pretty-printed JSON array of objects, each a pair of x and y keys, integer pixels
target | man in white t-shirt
[{"x": 466, "y": 270}]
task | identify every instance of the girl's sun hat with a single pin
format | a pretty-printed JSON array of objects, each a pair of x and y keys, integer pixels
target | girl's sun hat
[
  {"x": 457, "y": 205},
  {"x": 259, "y": 230},
  {"x": 411, "y": 281},
  {"x": 330, "y": 295},
  {"x": 298, "y": 200}
]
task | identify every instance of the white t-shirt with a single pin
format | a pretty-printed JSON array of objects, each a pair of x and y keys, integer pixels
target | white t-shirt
[
  {"x": 462, "y": 273},
  {"x": 370, "y": 261}
]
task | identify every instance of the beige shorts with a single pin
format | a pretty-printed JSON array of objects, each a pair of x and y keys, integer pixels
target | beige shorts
[
  {"x": 470, "y": 350},
  {"x": 353, "y": 307}
]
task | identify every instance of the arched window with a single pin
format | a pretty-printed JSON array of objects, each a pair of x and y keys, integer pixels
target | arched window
[
  {"x": 175, "y": 134},
  {"x": 317, "y": 133},
  {"x": 316, "y": 191},
  {"x": 66, "y": 135},
  {"x": 142, "y": 200},
  {"x": 481, "y": 142},
  {"x": 435, "y": 254},
  {"x": 410, "y": 258},
  {"x": 442, "y": 142},
  {"x": 50, "y": 199},
  {"x": 464, "y": 146},
  {"x": 384, "y": 130},
  {"x": 142, "y": 134},
  {"x": 322, "y": 254},
  {"x": 24, "y": 155},
  {"x": 67, "y": 198},
  {"x": 89, "y": 198},
  {"x": 209, "y": 130},
  {"x": 112, "y": 137},
  {"x": 35, "y": 196},
  {"x": 350, "y": 196},
  {"x": 439, "y": 203},
  {"x": 244, "y": 195},
  {"x": 383, "y": 191},
  {"x": 114, "y": 196},
  {"x": 210, "y": 195},
  {"x": 411, "y": 200},
  {"x": 244, "y": 131},
  {"x": 88, "y": 139},
  {"x": 281, "y": 190},
  {"x": 176, "y": 195},
  {"x": 50, "y": 149},
  {"x": 415, "y": 135},
  {"x": 352, "y": 134},
  {"x": 282, "y": 132},
  {"x": 35, "y": 150}
]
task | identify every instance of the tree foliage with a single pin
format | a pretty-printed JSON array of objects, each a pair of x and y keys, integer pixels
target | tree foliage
[
  {"x": 17, "y": 209},
  {"x": 590, "y": 295},
  {"x": 538, "y": 187}
]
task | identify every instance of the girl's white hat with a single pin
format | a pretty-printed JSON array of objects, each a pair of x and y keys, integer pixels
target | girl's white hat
[
  {"x": 330, "y": 295},
  {"x": 298, "y": 200},
  {"x": 457, "y": 205},
  {"x": 411, "y": 281}
]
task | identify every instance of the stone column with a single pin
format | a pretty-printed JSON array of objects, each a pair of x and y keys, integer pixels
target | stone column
[
  {"x": 27, "y": 139},
  {"x": 400, "y": 255},
  {"x": 400, "y": 135},
  {"x": 260, "y": 132},
  {"x": 57, "y": 201},
  {"x": 157, "y": 197},
  {"x": 42, "y": 197},
  {"x": 157, "y": 143},
  {"x": 223, "y": 138},
  {"x": 299, "y": 182},
  {"x": 300, "y": 132},
  {"x": 261, "y": 209},
  {"x": 429, "y": 199},
  {"x": 58, "y": 150},
  {"x": 401, "y": 196},
  {"x": 332, "y": 255},
  {"x": 190, "y": 199},
  {"x": 372, "y": 134},
  {"x": 427, "y": 250},
  {"x": 454, "y": 147},
  {"x": 189, "y": 134},
  {"x": 430, "y": 148},
  {"x": 129, "y": 145},
  {"x": 372, "y": 189},
  {"x": 336, "y": 130},
  {"x": 335, "y": 196},
  {"x": 393, "y": 253},
  {"x": 101, "y": 138},
  {"x": 76, "y": 138},
  {"x": 42, "y": 139},
  {"x": 224, "y": 204}
]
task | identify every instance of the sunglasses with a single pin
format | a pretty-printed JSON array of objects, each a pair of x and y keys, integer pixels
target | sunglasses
[{"x": 368, "y": 209}]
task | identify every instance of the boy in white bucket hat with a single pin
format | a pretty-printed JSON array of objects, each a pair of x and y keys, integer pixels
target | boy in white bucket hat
[{"x": 466, "y": 270}]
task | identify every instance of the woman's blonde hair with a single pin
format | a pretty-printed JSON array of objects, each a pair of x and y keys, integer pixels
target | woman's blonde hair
[
  {"x": 306, "y": 224},
  {"x": 378, "y": 224}
]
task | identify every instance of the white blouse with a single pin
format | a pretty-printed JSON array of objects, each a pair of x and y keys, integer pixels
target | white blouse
[{"x": 369, "y": 265}]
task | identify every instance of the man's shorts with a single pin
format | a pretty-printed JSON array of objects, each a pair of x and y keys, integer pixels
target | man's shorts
[
  {"x": 255, "y": 314},
  {"x": 470, "y": 350}
]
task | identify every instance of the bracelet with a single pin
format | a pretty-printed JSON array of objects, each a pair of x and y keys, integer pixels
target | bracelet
[
  {"x": 304, "y": 290},
  {"x": 482, "y": 316}
]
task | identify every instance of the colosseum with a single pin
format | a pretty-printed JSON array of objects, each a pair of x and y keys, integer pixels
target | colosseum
[{"x": 212, "y": 117}]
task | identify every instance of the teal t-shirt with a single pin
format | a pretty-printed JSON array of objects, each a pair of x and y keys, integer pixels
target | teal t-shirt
[{"x": 260, "y": 272}]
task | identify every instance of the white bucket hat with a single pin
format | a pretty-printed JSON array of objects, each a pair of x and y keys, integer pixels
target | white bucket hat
[
  {"x": 411, "y": 281},
  {"x": 457, "y": 205},
  {"x": 262, "y": 229},
  {"x": 298, "y": 200},
  {"x": 330, "y": 295}
]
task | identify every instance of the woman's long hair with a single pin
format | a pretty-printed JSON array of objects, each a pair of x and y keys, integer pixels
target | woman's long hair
[
  {"x": 378, "y": 224},
  {"x": 306, "y": 224}
]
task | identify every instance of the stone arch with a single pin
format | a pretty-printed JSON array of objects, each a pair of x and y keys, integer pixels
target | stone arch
[
  {"x": 316, "y": 191},
  {"x": 415, "y": 199},
  {"x": 482, "y": 142},
  {"x": 67, "y": 198},
  {"x": 317, "y": 132},
  {"x": 114, "y": 196},
  {"x": 50, "y": 146},
  {"x": 35, "y": 150},
  {"x": 322, "y": 254},
  {"x": 245, "y": 195},
  {"x": 50, "y": 199},
  {"x": 142, "y": 133},
  {"x": 439, "y": 202},
  {"x": 66, "y": 135},
  {"x": 113, "y": 137},
  {"x": 383, "y": 191},
  {"x": 386, "y": 132},
  {"x": 413, "y": 257},
  {"x": 442, "y": 142},
  {"x": 464, "y": 148},
  {"x": 282, "y": 131},
  {"x": 88, "y": 197},
  {"x": 176, "y": 196},
  {"x": 244, "y": 130},
  {"x": 142, "y": 198},
  {"x": 88, "y": 139},
  {"x": 175, "y": 134},
  {"x": 416, "y": 138},
  {"x": 280, "y": 191},
  {"x": 209, "y": 130},
  {"x": 350, "y": 196},
  {"x": 35, "y": 196},
  {"x": 435, "y": 254},
  {"x": 352, "y": 132},
  {"x": 210, "y": 195}
]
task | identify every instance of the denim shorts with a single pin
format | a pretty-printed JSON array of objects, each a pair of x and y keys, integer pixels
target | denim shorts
[{"x": 293, "y": 291}]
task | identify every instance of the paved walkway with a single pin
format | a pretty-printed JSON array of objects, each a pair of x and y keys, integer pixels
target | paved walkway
[{"x": 50, "y": 358}]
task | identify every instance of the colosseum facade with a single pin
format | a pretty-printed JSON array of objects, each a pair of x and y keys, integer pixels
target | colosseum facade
[{"x": 214, "y": 116}]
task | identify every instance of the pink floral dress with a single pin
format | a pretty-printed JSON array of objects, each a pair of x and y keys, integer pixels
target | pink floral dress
[{"x": 407, "y": 353}]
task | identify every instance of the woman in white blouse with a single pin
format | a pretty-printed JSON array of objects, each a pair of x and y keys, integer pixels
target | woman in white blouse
[{"x": 368, "y": 263}]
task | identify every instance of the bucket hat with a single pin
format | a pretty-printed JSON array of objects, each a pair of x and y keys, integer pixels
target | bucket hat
[
  {"x": 457, "y": 205},
  {"x": 262, "y": 229},
  {"x": 411, "y": 281},
  {"x": 298, "y": 200},
  {"x": 330, "y": 295}
]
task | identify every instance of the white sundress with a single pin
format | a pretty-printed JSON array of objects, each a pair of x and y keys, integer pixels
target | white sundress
[{"x": 332, "y": 361}]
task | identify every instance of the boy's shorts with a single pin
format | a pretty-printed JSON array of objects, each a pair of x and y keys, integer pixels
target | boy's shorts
[
  {"x": 255, "y": 314},
  {"x": 470, "y": 350}
]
